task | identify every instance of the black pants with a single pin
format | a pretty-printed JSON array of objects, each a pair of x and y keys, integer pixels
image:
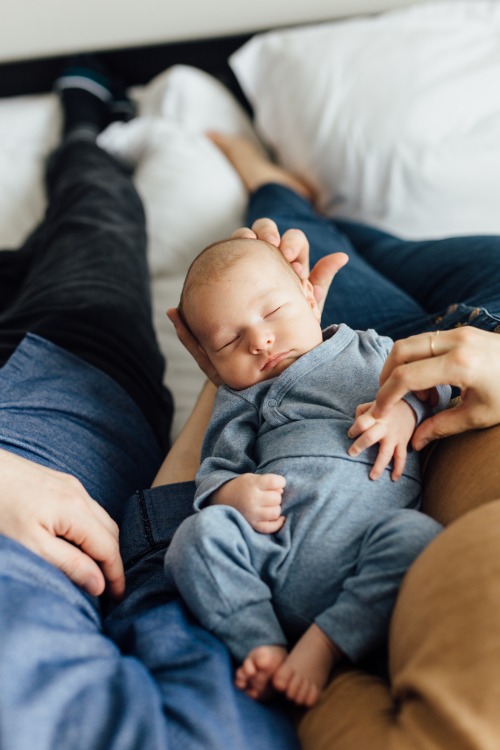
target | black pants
[{"x": 81, "y": 279}]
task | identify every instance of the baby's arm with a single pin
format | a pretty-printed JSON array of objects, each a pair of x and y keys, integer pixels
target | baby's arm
[
  {"x": 393, "y": 432},
  {"x": 227, "y": 475},
  {"x": 257, "y": 497}
]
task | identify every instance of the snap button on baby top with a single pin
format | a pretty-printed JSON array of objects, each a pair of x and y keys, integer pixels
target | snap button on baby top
[{"x": 272, "y": 402}]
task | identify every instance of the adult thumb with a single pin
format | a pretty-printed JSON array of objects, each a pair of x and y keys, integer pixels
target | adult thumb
[{"x": 449, "y": 422}]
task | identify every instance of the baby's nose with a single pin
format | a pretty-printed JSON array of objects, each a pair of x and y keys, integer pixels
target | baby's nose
[{"x": 260, "y": 341}]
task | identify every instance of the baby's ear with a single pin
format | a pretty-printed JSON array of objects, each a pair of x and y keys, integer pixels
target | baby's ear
[{"x": 308, "y": 290}]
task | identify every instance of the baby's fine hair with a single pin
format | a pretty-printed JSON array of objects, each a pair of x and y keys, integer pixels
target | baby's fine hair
[{"x": 215, "y": 259}]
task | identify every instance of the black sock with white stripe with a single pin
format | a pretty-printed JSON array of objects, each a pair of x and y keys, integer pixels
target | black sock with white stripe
[{"x": 90, "y": 98}]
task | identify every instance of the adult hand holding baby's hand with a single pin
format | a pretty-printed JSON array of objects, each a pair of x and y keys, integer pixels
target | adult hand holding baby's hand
[
  {"x": 257, "y": 497},
  {"x": 466, "y": 357}
]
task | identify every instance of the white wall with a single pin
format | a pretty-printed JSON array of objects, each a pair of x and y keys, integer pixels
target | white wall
[{"x": 38, "y": 28}]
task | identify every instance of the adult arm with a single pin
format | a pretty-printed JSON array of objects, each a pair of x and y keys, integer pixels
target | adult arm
[
  {"x": 466, "y": 357},
  {"x": 52, "y": 514},
  {"x": 183, "y": 460}
]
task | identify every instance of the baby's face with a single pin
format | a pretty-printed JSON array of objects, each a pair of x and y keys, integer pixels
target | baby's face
[{"x": 255, "y": 320}]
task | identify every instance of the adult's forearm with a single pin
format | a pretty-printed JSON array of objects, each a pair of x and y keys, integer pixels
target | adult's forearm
[{"x": 183, "y": 460}]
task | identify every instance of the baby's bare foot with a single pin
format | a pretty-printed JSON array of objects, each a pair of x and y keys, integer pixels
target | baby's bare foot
[
  {"x": 305, "y": 671},
  {"x": 255, "y": 674},
  {"x": 254, "y": 167}
]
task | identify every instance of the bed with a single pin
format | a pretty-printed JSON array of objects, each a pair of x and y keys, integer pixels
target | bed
[
  {"x": 392, "y": 117},
  {"x": 390, "y": 109}
]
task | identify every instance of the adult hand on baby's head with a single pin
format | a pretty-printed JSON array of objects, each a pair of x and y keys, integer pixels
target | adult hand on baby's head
[
  {"x": 188, "y": 340},
  {"x": 295, "y": 247},
  {"x": 465, "y": 357}
]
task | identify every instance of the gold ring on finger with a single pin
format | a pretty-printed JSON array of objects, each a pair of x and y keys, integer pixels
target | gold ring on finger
[{"x": 432, "y": 341}]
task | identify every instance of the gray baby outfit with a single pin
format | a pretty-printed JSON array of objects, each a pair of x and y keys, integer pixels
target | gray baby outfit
[{"x": 347, "y": 541}]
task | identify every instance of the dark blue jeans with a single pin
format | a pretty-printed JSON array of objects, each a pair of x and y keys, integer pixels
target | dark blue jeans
[
  {"x": 398, "y": 287},
  {"x": 81, "y": 280}
]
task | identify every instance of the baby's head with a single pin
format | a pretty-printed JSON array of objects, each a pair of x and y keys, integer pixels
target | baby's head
[{"x": 249, "y": 311}]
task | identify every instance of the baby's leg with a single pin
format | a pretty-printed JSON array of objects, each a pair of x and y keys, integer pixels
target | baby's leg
[
  {"x": 358, "y": 621},
  {"x": 214, "y": 562},
  {"x": 305, "y": 671}
]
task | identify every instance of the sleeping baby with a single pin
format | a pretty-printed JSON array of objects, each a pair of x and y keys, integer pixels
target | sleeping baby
[{"x": 302, "y": 537}]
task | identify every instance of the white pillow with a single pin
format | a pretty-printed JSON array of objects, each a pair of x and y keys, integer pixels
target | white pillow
[{"x": 395, "y": 119}]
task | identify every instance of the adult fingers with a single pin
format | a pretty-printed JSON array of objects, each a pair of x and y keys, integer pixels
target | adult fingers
[
  {"x": 243, "y": 233},
  {"x": 95, "y": 542},
  {"x": 295, "y": 247},
  {"x": 443, "y": 424},
  {"x": 414, "y": 376},
  {"x": 267, "y": 230},
  {"x": 102, "y": 515},
  {"x": 188, "y": 340},
  {"x": 323, "y": 273},
  {"x": 70, "y": 560},
  {"x": 183, "y": 333},
  {"x": 420, "y": 347}
]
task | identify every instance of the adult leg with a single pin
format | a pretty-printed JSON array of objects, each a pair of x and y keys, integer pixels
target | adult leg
[
  {"x": 62, "y": 682},
  {"x": 163, "y": 683},
  {"x": 192, "y": 667},
  {"x": 398, "y": 287},
  {"x": 361, "y": 297},
  {"x": 86, "y": 287},
  {"x": 456, "y": 279}
]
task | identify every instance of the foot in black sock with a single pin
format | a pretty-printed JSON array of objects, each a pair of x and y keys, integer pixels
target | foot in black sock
[{"x": 90, "y": 97}]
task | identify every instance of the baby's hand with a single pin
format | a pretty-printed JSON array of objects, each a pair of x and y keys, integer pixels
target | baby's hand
[
  {"x": 257, "y": 497},
  {"x": 393, "y": 432}
]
